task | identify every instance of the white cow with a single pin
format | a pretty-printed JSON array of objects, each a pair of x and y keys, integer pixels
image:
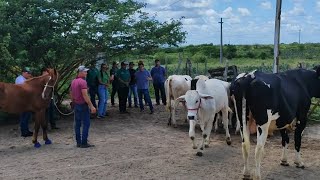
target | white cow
[
  {"x": 209, "y": 98},
  {"x": 175, "y": 86},
  {"x": 203, "y": 77}
]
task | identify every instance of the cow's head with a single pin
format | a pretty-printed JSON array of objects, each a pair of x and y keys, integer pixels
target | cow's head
[{"x": 193, "y": 102}]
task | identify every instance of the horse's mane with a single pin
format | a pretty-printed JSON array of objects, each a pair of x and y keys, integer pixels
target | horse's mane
[{"x": 36, "y": 78}]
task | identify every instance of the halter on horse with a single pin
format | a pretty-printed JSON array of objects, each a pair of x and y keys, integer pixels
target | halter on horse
[{"x": 34, "y": 96}]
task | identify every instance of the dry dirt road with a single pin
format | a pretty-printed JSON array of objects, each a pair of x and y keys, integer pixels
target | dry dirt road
[{"x": 142, "y": 146}]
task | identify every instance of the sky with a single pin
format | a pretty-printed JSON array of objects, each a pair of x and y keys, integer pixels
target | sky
[{"x": 244, "y": 21}]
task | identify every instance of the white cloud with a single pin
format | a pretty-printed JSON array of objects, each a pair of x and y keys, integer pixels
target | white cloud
[
  {"x": 318, "y": 6},
  {"x": 244, "y": 11},
  {"x": 266, "y": 5},
  {"x": 297, "y": 10}
]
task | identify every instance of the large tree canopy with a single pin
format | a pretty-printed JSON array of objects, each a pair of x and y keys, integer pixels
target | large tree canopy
[{"x": 63, "y": 34}]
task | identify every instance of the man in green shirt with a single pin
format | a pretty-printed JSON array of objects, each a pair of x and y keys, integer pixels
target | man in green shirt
[
  {"x": 92, "y": 81},
  {"x": 123, "y": 76},
  {"x": 104, "y": 81}
]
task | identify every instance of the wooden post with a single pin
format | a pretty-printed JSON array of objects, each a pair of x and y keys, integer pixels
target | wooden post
[{"x": 277, "y": 37}]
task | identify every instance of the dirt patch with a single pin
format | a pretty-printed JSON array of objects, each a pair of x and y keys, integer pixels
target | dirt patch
[{"x": 142, "y": 146}]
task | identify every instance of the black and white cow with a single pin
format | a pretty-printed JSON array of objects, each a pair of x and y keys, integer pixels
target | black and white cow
[{"x": 280, "y": 97}]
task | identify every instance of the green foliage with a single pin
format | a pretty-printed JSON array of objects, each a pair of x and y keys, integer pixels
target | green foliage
[
  {"x": 231, "y": 51},
  {"x": 199, "y": 58}
]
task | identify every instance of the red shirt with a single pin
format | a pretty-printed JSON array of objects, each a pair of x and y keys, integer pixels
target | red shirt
[{"x": 76, "y": 86}]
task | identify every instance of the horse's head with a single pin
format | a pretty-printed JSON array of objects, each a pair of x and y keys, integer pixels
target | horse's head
[{"x": 51, "y": 82}]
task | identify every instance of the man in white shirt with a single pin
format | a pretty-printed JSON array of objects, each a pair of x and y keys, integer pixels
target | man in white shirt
[{"x": 24, "y": 117}]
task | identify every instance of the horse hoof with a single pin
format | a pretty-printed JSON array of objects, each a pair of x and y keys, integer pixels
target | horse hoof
[
  {"x": 37, "y": 145},
  {"x": 284, "y": 163},
  {"x": 199, "y": 154},
  {"x": 206, "y": 146},
  {"x": 48, "y": 141}
]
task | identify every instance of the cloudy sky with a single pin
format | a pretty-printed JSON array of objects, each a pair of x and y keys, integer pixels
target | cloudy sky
[{"x": 245, "y": 21}]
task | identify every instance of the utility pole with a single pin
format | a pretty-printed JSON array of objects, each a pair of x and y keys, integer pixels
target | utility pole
[
  {"x": 299, "y": 35},
  {"x": 277, "y": 37},
  {"x": 221, "y": 55}
]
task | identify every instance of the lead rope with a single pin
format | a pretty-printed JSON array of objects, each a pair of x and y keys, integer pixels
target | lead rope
[{"x": 55, "y": 104}]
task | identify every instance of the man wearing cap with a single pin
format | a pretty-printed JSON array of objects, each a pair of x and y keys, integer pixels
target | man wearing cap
[
  {"x": 114, "y": 80},
  {"x": 82, "y": 107},
  {"x": 158, "y": 74},
  {"x": 25, "y": 116},
  {"x": 92, "y": 81},
  {"x": 123, "y": 77},
  {"x": 132, "y": 86},
  {"x": 143, "y": 77}
]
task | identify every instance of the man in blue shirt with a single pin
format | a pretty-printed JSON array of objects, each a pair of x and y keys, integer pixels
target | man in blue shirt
[
  {"x": 158, "y": 74},
  {"x": 25, "y": 116},
  {"x": 143, "y": 77}
]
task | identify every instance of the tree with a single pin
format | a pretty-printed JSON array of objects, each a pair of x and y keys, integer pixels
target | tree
[
  {"x": 64, "y": 34},
  {"x": 231, "y": 51}
]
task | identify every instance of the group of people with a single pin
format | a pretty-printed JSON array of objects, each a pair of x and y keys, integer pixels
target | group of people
[
  {"x": 126, "y": 81},
  {"x": 26, "y": 116}
]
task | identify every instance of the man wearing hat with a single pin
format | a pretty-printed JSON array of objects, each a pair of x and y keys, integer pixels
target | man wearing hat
[
  {"x": 114, "y": 80},
  {"x": 123, "y": 77},
  {"x": 25, "y": 116},
  {"x": 132, "y": 86},
  {"x": 143, "y": 77},
  {"x": 82, "y": 107}
]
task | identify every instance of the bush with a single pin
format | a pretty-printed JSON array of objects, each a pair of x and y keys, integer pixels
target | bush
[
  {"x": 263, "y": 55},
  {"x": 199, "y": 58}
]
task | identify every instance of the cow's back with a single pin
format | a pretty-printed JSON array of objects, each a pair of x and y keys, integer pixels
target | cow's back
[{"x": 217, "y": 89}]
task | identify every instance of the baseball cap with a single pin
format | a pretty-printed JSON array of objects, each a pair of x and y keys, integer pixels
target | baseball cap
[
  {"x": 124, "y": 63},
  {"x": 26, "y": 69},
  {"x": 115, "y": 62},
  {"x": 82, "y": 68}
]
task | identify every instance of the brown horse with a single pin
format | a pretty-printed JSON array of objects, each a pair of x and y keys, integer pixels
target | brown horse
[{"x": 32, "y": 96}]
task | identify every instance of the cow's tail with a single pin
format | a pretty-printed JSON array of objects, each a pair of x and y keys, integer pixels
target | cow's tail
[
  {"x": 168, "y": 92},
  {"x": 237, "y": 116}
]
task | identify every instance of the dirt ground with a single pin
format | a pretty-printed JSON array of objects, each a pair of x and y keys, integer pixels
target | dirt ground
[{"x": 142, "y": 146}]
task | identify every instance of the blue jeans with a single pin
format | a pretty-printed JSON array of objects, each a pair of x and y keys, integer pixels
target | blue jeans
[
  {"x": 133, "y": 90},
  {"x": 24, "y": 122},
  {"x": 81, "y": 115},
  {"x": 93, "y": 91},
  {"x": 103, "y": 98},
  {"x": 145, "y": 93}
]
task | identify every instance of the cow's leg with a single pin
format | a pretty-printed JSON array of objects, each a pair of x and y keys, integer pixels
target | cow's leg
[
  {"x": 173, "y": 117},
  {"x": 192, "y": 133},
  {"x": 285, "y": 142},
  {"x": 207, "y": 132},
  {"x": 225, "y": 124},
  {"x": 36, "y": 130},
  {"x": 262, "y": 134},
  {"x": 216, "y": 122},
  {"x": 204, "y": 136},
  {"x": 244, "y": 131},
  {"x": 301, "y": 124}
]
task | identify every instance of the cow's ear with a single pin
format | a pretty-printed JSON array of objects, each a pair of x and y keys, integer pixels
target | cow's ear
[
  {"x": 205, "y": 96},
  {"x": 181, "y": 98}
]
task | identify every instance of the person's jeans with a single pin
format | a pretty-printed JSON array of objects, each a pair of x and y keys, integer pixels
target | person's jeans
[
  {"x": 103, "y": 98},
  {"x": 24, "y": 122},
  {"x": 133, "y": 90},
  {"x": 145, "y": 93},
  {"x": 93, "y": 91},
  {"x": 160, "y": 87},
  {"x": 81, "y": 116}
]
